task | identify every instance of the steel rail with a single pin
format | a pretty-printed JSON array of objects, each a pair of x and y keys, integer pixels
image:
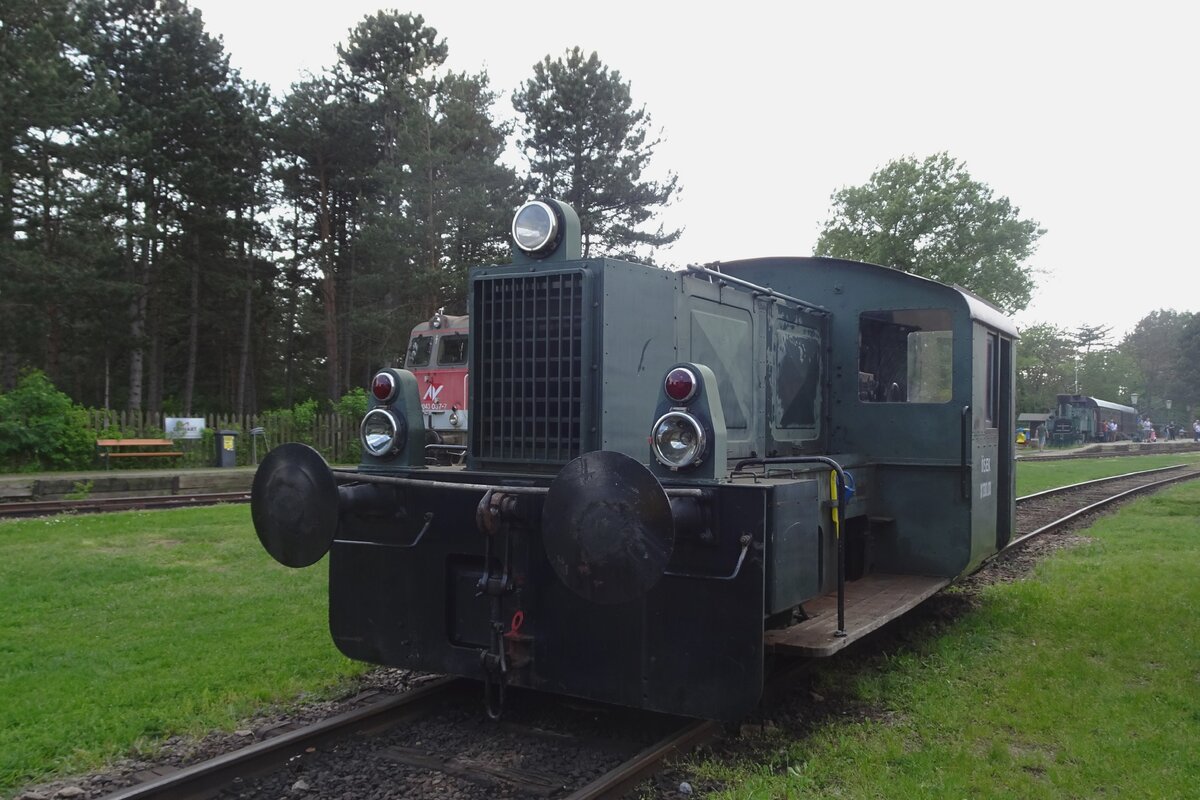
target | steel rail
[
  {"x": 623, "y": 777},
  {"x": 200, "y": 780}
]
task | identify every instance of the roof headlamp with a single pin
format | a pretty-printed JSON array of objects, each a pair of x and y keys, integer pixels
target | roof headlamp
[{"x": 535, "y": 228}]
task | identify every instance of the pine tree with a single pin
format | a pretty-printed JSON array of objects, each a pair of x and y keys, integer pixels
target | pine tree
[
  {"x": 52, "y": 240},
  {"x": 587, "y": 145},
  {"x": 439, "y": 196}
]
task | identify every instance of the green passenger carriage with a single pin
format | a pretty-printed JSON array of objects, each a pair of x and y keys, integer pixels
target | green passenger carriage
[{"x": 1079, "y": 419}]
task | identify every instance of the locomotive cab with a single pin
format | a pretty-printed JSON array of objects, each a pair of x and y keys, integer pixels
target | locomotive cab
[{"x": 668, "y": 475}]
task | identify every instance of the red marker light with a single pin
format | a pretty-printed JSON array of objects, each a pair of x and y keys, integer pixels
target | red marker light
[
  {"x": 383, "y": 386},
  {"x": 680, "y": 385}
]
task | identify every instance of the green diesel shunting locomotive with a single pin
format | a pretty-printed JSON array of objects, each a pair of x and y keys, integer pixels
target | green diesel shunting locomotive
[{"x": 669, "y": 475}]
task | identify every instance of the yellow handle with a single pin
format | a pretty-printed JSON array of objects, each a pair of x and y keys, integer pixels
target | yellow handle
[{"x": 833, "y": 495}]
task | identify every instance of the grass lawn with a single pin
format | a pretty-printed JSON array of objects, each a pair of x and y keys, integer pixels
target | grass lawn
[
  {"x": 1081, "y": 681},
  {"x": 121, "y": 629}
]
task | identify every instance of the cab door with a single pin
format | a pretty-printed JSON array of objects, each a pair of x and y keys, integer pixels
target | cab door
[{"x": 991, "y": 448}]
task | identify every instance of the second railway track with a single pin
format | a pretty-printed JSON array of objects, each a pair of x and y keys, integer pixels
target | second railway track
[
  {"x": 1044, "y": 511},
  {"x": 93, "y": 505}
]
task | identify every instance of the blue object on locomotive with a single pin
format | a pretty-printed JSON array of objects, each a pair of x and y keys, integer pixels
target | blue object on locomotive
[{"x": 646, "y": 509}]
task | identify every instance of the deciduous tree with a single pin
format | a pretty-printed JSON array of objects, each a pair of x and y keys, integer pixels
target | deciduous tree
[
  {"x": 1045, "y": 360},
  {"x": 1156, "y": 345},
  {"x": 932, "y": 218}
]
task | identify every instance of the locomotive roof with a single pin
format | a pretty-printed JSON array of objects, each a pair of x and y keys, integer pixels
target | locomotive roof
[
  {"x": 977, "y": 307},
  {"x": 453, "y": 323}
]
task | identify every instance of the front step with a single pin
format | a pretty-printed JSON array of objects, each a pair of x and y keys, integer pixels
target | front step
[{"x": 871, "y": 602}]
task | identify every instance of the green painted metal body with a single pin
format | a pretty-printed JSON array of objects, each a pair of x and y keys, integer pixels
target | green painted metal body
[
  {"x": 905, "y": 382},
  {"x": 943, "y": 472}
]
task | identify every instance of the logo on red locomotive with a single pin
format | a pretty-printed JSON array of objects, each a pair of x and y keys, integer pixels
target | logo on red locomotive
[{"x": 429, "y": 400}]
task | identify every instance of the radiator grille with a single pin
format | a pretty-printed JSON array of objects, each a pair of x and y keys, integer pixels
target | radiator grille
[{"x": 527, "y": 371}]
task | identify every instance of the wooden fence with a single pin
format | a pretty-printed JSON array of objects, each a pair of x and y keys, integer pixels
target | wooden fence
[{"x": 334, "y": 435}]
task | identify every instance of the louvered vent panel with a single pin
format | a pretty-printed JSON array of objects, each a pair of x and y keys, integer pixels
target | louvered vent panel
[{"x": 527, "y": 371}]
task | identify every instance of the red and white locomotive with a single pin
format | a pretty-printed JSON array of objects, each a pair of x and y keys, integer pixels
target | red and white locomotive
[{"x": 437, "y": 356}]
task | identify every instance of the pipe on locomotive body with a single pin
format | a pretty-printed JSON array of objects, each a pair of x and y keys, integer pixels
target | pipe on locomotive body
[{"x": 298, "y": 504}]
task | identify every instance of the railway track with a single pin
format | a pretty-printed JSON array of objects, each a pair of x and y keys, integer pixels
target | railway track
[
  {"x": 1118, "y": 451},
  {"x": 432, "y": 741},
  {"x": 94, "y": 505},
  {"x": 1052, "y": 509}
]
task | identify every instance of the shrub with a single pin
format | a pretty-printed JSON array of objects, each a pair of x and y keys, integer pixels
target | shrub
[
  {"x": 353, "y": 406},
  {"x": 40, "y": 428},
  {"x": 304, "y": 415}
]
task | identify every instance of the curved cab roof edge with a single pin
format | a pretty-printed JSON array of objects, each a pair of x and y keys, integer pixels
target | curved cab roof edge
[{"x": 979, "y": 308}]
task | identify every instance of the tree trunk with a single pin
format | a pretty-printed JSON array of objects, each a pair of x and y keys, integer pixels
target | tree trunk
[
  {"x": 247, "y": 255},
  {"x": 347, "y": 328},
  {"x": 8, "y": 354},
  {"x": 189, "y": 378},
  {"x": 53, "y": 316},
  {"x": 329, "y": 292},
  {"x": 153, "y": 366},
  {"x": 7, "y": 187},
  {"x": 137, "y": 304},
  {"x": 289, "y": 362},
  {"x": 154, "y": 362},
  {"x": 432, "y": 300}
]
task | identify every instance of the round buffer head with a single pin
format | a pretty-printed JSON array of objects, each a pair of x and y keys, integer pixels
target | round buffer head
[
  {"x": 294, "y": 505},
  {"x": 607, "y": 528}
]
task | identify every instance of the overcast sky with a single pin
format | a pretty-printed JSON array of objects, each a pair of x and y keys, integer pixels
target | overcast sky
[{"x": 1083, "y": 114}]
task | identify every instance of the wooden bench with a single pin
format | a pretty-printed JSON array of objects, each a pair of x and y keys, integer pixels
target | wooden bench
[{"x": 111, "y": 448}]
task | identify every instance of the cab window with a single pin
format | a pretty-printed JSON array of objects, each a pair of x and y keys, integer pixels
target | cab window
[
  {"x": 906, "y": 356},
  {"x": 419, "y": 351},
  {"x": 452, "y": 350}
]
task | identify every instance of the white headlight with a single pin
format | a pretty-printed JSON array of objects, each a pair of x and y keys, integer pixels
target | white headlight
[
  {"x": 678, "y": 440},
  {"x": 382, "y": 433},
  {"x": 534, "y": 227}
]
